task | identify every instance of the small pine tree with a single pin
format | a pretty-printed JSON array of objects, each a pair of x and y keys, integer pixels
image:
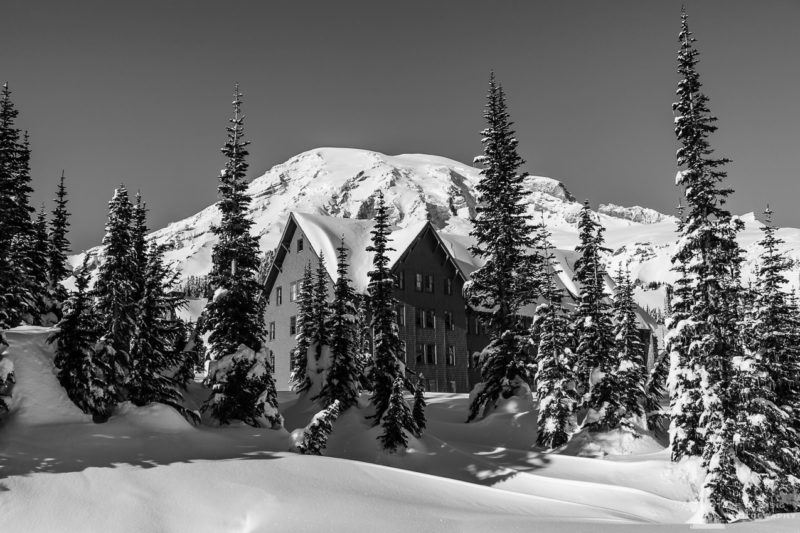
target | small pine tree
[
  {"x": 555, "y": 378},
  {"x": 396, "y": 421},
  {"x": 315, "y": 436},
  {"x": 505, "y": 282},
  {"x": 631, "y": 373},
  {"x": 596, "y": 362},
  {"x": 37, "y": 272},
  {"x": 343, "y": 379},
  {"x": 80, "y": 372},
  {"x": 418, "y": 409},
  {"x": 655, "y": 390},
  {"x": 386, "y": 341},
  {"x": 58, "y": 268},
  {"x": 299, "y": 379}
]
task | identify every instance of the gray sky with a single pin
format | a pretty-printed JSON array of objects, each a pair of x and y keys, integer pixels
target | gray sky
[{"x": 139, "y": 92}]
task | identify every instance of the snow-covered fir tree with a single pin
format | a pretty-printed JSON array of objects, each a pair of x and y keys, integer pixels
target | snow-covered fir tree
[
  {"x": 397, "y": 421},
  {"x": 766, "y": 434},
  {"x": 58, "y": 268},
  {"x": 154, "y": 347},
  {"x": 37, "y": 279},
  {"x": 631, "y": 371},
  {"x": 80, "y": 372},
  {"x": 385, "y": 368},
  {"x": 15, "y": 223},
  {"x": 343, "y": 378},
  {"x": 721, "y": 497},
  {"x": 655, "y": 389},
  {"x": 299, "y": 378},
  {"x": 114, "y": 290},
  {"x": 418, "y": 409},
  {"x": 596, "y": 362},
  {"x": 502, "y": 235},
  {"x": 235, "y": 315},
  {"x": 708, "y": 249},
  {"x": 315, "y": 435},
  {"x": 555, "y": 378},
  {"x": 686, "y": 397},
  {"x": 320, "y": 317}
]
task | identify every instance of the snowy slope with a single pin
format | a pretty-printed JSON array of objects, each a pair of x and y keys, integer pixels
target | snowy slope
[
  {"x": 147, "y": 469},
  {"x": 343, "y": 182}
]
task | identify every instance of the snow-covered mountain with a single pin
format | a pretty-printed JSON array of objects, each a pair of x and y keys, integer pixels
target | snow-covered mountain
[{"x": 344, "y": 182}]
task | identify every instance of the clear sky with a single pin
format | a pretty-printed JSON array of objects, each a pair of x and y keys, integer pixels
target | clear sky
[{"x": 139, "y": 91}]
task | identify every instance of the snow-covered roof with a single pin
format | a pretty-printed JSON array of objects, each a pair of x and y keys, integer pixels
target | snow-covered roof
[{"x": 325, "y": 235}]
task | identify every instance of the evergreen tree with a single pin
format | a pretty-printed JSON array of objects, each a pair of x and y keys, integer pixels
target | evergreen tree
[
  {"x": 115, "y": 291},
  {"x": 235, "y": 315},
  {"x": 299, "y": 379},
  {"x": 386, "y": 341},
  {"x": 711, "y": 256},
  {"x": 139, "y": 250},
  {"x": 655, "y": 390},
  {"x": 320, "y": 312},
  {"x": 767, "y": 438},
  {"x": 631, "y": 373},
  {"x": 721, "y": 496},
  {"x": 418, "y": 409},
  {"x": 555, "y": 378},
  {"x": 397, "y": 419},
  {"x": 502, "y": 235},
  {"x": 154, "y": 346},
  {"x": 80, "y": 372},
  {"x": 315, "y": 436},
  {"x": 58, "y": 268},
  {"x": 37, "y": 272},
  {"x": 596, "y": 362},
  {"x": 342, "y": 381}
]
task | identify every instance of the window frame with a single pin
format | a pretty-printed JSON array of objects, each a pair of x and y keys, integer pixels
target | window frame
[
  {"x": 278, "y": 295},
  {"x": 428, "y": 359},
  {"x": 293, "y": 325},
  {"x": 419, "y": 282},
  {"x": 293, "y": 290},
  {"x": 299, "y": 245},
  {"x": 272, "y": 332},
  {"x": 430, "y": 283}
]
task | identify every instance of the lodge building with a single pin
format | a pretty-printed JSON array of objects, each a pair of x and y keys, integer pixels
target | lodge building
[{"x": 440, "y": 335}]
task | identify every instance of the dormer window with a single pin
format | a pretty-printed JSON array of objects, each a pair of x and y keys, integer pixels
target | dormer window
[{"x": 300, "y": 245}]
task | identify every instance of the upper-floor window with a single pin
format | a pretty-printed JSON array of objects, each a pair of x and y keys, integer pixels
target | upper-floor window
[
  {"x": 420, "y": 353},
  {"x": 293, "y": 291},
  {"x": 418, "y": 282},
  {"x": 272, "y": 331},
  {"x": 428, "y": 282},
  {"x": 424, "y": 318},
  {"x": 271, "y": 362},
  {"x": 278, "y": 295},
  {"x": 401, "y": 315},
  {"x": 430, "y": 319},
  {"x": 402, "y": 354},
  {"x": 300, "y": 244},
  {"x": 448, "y": 286},
  {"x": 430, "y": 354},
  {"x": 448, "y": 320},
  {"x": 292, "y": 325},
  {"x": 400, "y": 280}
]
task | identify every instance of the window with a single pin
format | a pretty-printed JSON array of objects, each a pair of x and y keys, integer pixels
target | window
[
  {"x": 418, "y": 282},
  {"x": 403, "y": 352},
  {"x": 429, "y": 283},
  {"x": 401, "y": 315},
  {"x": 272, "y": 331},
  {"x": 451, "y": 355},
  {"x": 448, "y": 320},
  {"x": 300, "y": 244},
  {"x": 278, "y": 295},
  {"x": 293, "y": 325},
  {"x": 430, "y": 354},
  {"x": 420, "y": 353},
  {"x": 271, "y": 362},
  {"x": 419, "y": 319},
  {"x": 430, "y": 319},
  {"x": 448, "y": 287},
  {"x": 293, "y": 291},
  {"x": 400, "y": 280}
]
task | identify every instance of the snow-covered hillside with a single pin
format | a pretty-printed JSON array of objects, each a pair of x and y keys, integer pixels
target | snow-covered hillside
[
  {"x": 343, "y": 182},
  {"x": 147, "y": 469}
]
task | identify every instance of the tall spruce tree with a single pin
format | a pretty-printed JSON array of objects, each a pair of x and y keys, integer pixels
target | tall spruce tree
[
  {"x": 299, "y": 378},
  {"x": 502, "y": 239},
  {"x": 84, "y": 376},
  {"x": 385, "y": 368},
  {"x": 596, "y": 364},
  {"x": 343, "y": 379},
  {"x": 711, "y": 256},
  {"x": 235, "y": 315},
  {"x": 320, "y": 314},
  {"x": 37, "y": 271},
  {"x": 555, "y": 377},
  {"x": 115, "y": 288},
  {"x": 58, "y": 268}
]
